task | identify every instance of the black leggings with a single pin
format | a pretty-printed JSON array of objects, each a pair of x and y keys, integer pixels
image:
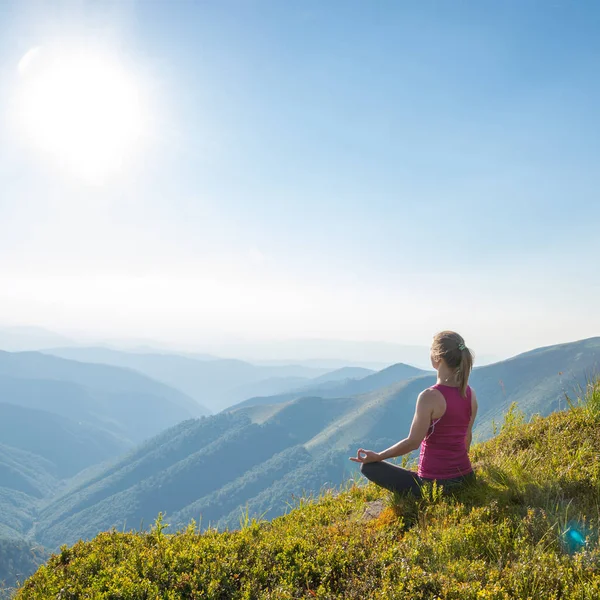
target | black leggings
[{"x": 397, "y": 479}]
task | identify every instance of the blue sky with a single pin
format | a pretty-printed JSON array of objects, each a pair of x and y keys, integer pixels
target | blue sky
[{"x": 346, "y": 170}]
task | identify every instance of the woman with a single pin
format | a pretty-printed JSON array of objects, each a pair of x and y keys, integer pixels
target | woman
[{"x": 442, "y": 425}]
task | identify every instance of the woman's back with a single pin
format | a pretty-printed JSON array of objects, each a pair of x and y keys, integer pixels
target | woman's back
[
  {"x": 444, "y": 441},
  {"x": 443, "y": 451}
]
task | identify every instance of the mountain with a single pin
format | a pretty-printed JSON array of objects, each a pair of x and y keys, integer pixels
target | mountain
[
  {"x": 257, "y": 456},
  {"x": 326, "y": 363},
  {"x": 128, "y": 416},
  {"x": 126, "y": 403},
  {"x": 392, "y": 374},
  {"x": 60, "y": 417},
  {"x": 267, "y": 387},
  {"x": 18, "y": 559},
  {"x": 518, "y": 532},
  {"x": 184, "y": 464},
  {"x": 35, "y": 365},
  {"x": 344, "y": 373},
  {"x": 19, "y": 512},
  {"x": 266, "y": 392},
  {"x": 216, "y": 384},
  {"x": 334, "y": 353},
  {"x": 353, "y": 352},
  {"x": 25, "y": 479},
  {"x": 26, "y": 472},
  {"x": 539, "y": 381},
  {"x": 69, "y": 446},
  {"x": 148, "y": 346},
  {"x": 18, "y": 339},
  {"x": 336, "y": 387}
]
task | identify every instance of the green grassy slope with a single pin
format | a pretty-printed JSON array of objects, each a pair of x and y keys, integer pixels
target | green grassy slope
[
  {"x": 538, "y": 380},
  {"x": 528, "y": 529}
]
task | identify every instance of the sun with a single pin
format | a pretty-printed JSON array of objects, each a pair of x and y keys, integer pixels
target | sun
[{"x": 81, "y": 109}]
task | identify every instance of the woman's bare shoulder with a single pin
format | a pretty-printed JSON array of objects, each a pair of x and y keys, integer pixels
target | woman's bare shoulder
[
  {"x": 432, "y": 397},
  {"x": 430, "y": 394}
]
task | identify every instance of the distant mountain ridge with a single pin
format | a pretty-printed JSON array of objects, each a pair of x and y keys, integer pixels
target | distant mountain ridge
[
  {"x": 344, "y": 373},
  {"x": 75, "y": 415},
  {"x": 353, "y": 352},
  {"x": 23, "y": 338},
  {"x": 350, "y": 386},
  {"x": 215, "y": 384},
  {"x": 38, "y": 365}
]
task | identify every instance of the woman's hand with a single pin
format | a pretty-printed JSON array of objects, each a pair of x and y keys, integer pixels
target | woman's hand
[{"x": 365, "y": 456}]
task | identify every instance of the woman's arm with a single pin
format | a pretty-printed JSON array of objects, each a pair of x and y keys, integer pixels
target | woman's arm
[
  {"x": 418, "y": 431},
  {"x": 469, "y": 437}
]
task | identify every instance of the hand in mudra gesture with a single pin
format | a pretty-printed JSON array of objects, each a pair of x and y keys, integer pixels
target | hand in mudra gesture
[{"x": 365, "y": 456}]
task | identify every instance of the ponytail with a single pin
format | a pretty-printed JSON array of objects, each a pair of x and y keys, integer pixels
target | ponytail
[{"x": 464, "y": 370}]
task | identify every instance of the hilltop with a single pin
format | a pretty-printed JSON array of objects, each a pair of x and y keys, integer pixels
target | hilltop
[{"x": 527, "y": 529}]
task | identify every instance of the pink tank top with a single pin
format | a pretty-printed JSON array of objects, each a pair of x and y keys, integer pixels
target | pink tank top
[{"x": 443, "y": 451}]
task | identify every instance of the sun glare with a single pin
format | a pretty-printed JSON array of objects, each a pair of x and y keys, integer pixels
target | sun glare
[{"x": 81, "y": 109}]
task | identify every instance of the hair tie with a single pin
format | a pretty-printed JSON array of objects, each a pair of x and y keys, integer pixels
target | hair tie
[{"x": 461, "y": 347}]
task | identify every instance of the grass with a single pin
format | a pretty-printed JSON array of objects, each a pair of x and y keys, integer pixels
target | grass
[{"x": 528, "y": 529}]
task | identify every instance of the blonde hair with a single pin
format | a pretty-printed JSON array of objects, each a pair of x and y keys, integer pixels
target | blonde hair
[{"x": 450, "y": 347}]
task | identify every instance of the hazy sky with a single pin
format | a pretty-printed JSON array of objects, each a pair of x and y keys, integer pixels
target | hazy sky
[{"x": 344, "y": 170}]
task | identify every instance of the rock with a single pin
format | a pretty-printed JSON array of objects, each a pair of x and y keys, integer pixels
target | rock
[{"x": 372, "y": 510}]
